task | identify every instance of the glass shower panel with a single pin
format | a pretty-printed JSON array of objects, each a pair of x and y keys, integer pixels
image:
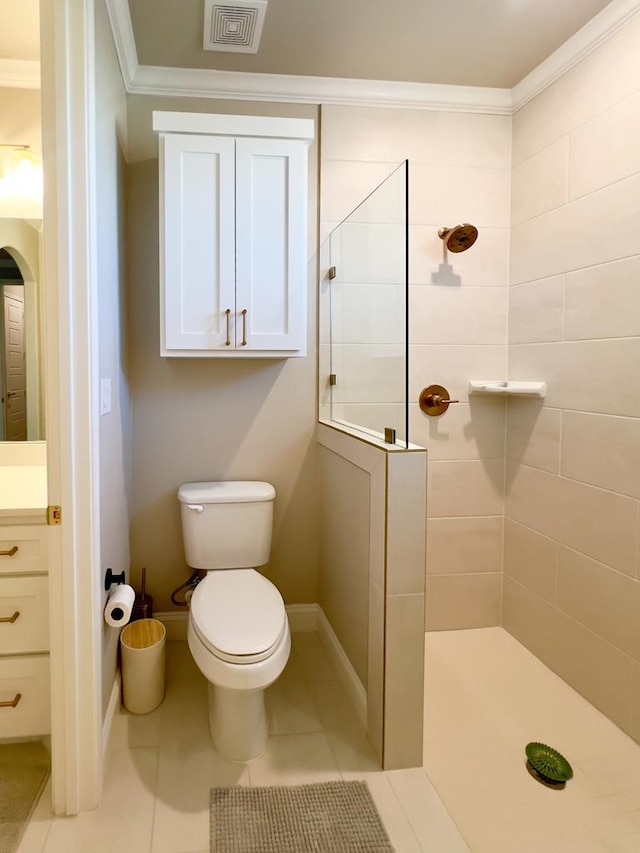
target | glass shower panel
[{"x": 366, "y": 300}]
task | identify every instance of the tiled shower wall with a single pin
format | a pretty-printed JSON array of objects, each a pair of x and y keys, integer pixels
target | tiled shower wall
[
  {"x": 459, "y": 171},
  {"x": 571, "y": 587}
]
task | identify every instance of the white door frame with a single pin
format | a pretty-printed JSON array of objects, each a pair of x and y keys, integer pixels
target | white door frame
[{"x": 70, "y": 285}]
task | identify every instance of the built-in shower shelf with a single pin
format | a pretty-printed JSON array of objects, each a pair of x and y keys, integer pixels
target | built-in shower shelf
[{"x": 510, "y": 388}]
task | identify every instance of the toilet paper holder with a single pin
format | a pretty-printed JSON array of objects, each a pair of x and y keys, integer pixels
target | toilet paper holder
[{"x": 110, "y": 579}]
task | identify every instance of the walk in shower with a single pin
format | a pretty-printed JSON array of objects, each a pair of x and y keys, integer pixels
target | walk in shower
[{"x": 364, "y": 315}]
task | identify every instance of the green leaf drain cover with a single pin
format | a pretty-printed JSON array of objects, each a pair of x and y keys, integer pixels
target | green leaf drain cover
[{"x": 548, "y": 763}]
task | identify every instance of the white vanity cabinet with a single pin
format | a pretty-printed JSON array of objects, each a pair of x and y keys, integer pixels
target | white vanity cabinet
[
  {"x": 233, "y": 235},
  {"x": 25, "y": 708}
]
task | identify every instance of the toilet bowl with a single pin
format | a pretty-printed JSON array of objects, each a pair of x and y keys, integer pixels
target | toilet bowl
[
  {"x": 239, "y": 637},
  {"x": 238, "y": 632}
]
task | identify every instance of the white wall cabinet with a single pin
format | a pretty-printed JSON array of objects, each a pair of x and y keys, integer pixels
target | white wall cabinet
[{"x": 233, "y": 235}]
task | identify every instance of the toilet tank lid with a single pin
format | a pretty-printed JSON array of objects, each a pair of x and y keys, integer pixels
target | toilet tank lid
[{"x": 228, "y": 491}]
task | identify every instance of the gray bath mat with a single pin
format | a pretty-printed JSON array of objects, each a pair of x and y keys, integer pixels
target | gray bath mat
[
  {"x": 23, "y": 773},
  {"x": 329, "y": 817}
]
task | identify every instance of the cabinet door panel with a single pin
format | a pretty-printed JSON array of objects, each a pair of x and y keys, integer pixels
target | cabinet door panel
[
  {"x": 198, "y": 241},
  {"x": 271, "y": 240}
]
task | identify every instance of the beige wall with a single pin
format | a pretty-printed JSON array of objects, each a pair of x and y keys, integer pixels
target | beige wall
[
  {"x": 214, "y": 419},
  {"x": 21, "y": 121},
  {"x": 572, "y": 593},
  {"x": 115, "y": 428},
  {"x": 459, "y": 171}
]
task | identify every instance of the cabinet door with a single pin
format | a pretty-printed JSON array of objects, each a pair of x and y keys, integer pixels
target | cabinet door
[
  {"x": 271, "y": 244},
  {"x": 197, "y": 242}
]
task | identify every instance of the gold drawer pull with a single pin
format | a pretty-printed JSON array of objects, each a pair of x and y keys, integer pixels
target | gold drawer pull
[
  {"x": 13, "y": 702},
  {"x": 9, "y": 553},
  {"x": 10, "y": 619}
]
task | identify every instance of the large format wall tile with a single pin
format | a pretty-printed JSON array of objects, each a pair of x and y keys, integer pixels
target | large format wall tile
[
  {"x": 595, "y": 668},
  {"x": 595, "y": 522},
  {"x": 472, "y": 430},
  {"x": 539, "y": 184},
  {"x": 587, "y": 376},
  {"x": 531, "y": 559},
  {"x": 606, "y": 149},
  {"x": 463, "y": 601},
  {"x": 533, "y": 434},
  {"x": 602, "y": 450},
  {"x": 536, "y": 311},
  {"x": 584, "y": 586},
  {"x": 372, "y": 134},
  {"x": 464, "y": 545},
  {"x": 594, "y": 229},
  {"x": 603, "y": 301},
  {"x": 453, "y": 194},
  {"x": 470, "y": 488},
  {"x": 458, "y": 315}
]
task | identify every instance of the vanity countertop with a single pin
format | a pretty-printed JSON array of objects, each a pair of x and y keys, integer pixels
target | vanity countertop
[{"x": 23, "y": 491}]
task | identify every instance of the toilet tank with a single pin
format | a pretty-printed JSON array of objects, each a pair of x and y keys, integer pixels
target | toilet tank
[{"x": 226, "y": 525}]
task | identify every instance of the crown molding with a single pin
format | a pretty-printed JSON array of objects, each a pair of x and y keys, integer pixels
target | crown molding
[
  {"x": 125, "y": 43},
  {"x": 279, "y": 88},
  {"x": 205, "y": 83},
  {"x": 594, "y": 33},
  {"x": 20, "y": 73}
]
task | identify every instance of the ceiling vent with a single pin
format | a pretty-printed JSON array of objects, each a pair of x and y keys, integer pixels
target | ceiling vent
[{"x": 234, "y": 27}]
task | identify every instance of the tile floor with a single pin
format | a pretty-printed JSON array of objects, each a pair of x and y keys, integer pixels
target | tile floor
[
  {"x": 161, "y": 765},
  {"x": 486, "y": 698}
]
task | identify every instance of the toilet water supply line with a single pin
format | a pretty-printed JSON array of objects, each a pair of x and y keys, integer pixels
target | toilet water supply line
[{"x": 189, "y": 585}]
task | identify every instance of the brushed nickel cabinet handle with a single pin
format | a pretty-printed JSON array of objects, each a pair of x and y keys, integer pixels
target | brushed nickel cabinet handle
[
  {"x": 244, "y": 327},
  {"x": 13, "y": 702},
  {"x": 227, "y": 343},
  {"x": 10, "y": 552},
  {"x": 10, "y": 619}
]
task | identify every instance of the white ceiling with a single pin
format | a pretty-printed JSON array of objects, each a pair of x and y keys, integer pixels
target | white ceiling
[{"x": 491, "y": 43}]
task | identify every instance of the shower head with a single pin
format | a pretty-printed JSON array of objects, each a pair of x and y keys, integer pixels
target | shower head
[{"x": 459, "y": 238}]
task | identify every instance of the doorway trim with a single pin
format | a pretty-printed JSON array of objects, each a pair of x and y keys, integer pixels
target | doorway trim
[{"x": 70, "y": 291}]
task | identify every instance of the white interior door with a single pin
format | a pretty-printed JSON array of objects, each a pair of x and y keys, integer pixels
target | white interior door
[
  {"x": 15, "y": 379},
  {"x": 198, "y": 237},
  {"x": 271, "y": 241}
]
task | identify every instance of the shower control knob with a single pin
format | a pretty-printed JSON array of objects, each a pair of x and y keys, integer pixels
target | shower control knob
[{"x": 435, "y": 400}]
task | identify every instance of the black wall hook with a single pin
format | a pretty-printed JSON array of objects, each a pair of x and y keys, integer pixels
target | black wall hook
[{"x": 110, "y": 579}]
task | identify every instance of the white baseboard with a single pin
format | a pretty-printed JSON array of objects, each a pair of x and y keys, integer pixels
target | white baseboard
[
  {"x": 303, "y": 618},
  {"x": 112, "y": 707},
  {"x": 346, "y": 673},
  {"x": 175, "y": 621}
]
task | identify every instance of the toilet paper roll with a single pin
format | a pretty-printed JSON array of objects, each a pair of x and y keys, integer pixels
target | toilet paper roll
[{"x": 119, "y": 606}]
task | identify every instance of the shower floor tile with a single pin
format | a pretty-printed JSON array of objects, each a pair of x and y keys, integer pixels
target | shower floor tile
[{"x": 486, "y": 698}]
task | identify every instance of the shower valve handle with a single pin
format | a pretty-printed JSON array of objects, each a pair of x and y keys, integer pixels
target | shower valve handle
[{"x": 435, "y": 400}]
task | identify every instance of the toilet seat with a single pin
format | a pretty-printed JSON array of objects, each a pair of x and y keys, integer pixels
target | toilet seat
[{"x": 238, "y": 615}]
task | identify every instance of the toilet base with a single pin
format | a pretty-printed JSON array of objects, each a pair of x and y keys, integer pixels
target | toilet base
[{"x": 238, "y": 722}]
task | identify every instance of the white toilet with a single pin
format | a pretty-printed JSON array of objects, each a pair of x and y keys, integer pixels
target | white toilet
[{"x": 238, "y": 629}]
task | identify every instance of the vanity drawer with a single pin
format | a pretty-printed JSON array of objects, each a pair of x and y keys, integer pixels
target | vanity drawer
[
  {"x": 23, "y": 549},
  {"x": 24, "y": 614},
  {"x": 28, "y": 679}
]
